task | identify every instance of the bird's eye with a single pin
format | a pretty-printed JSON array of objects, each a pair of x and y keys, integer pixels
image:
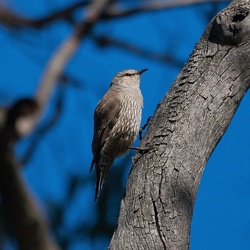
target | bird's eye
[{"x": 127, "y": 74}]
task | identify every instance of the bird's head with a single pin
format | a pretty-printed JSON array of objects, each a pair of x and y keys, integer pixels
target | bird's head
[{"x": 128, "y": 78}]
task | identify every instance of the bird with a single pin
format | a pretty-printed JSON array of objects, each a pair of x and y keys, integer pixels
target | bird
[{"x": 117, "y": 120}]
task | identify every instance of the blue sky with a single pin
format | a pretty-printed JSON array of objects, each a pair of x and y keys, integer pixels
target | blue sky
[{"x": 221, "y": 218}]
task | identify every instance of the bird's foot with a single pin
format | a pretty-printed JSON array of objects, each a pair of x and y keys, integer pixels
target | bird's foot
[
  {"x": 141, "y": 150},
  {"x": 142, "y": 128}
]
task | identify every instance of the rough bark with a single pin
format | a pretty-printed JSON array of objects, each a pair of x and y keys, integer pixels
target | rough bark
[{"x": 157, "y": 208}]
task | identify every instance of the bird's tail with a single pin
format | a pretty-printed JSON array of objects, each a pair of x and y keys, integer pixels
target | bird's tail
[
  {"x": 102, "y": 165},
  {"x": 99, "y": 184},
  {"x": 101, "y": 175}
]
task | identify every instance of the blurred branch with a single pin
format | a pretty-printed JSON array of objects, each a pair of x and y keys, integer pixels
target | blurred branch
[
  {"x": 41, "y": 131},
  {"x": 26, "y": 222},
  {"x": 95, "y": 11},
  {"x": 14, "y": 20},
  {"x": 67, "y": 49},
  {"x": 117, "y": 12},
  {"x": 55, "y": 67},
  {"x": 22, "y": 217},
  {"x": 102, "y": 40}
]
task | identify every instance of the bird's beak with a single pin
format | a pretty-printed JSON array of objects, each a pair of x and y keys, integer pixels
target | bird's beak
[{"x": 141, "y": 71}]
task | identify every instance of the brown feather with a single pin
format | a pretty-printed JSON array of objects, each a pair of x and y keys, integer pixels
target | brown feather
[{"x": 105, "y": 117}]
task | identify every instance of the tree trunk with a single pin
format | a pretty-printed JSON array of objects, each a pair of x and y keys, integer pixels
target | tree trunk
[{"x": 157, "y": 208}]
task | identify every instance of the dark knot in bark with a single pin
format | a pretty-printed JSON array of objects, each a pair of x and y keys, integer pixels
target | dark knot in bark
[{"x": 231, "y": 26}]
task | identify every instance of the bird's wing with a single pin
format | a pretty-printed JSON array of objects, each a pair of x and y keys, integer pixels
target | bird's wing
[{"x": 105, "y": 117}]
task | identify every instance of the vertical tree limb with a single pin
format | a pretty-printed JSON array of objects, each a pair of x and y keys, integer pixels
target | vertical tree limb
[
  {"x": 157, "y": 209},
  {"x": 21, "y": 213}
]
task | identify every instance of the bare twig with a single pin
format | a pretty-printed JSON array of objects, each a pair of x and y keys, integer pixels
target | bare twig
[
  {"x": 11, "y": 19},
  {"x": 118, "y": 12},
  {"x": 165, "y": 58}
]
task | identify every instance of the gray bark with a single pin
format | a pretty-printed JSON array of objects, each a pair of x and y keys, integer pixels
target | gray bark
[{"x": 157, "y": 208}]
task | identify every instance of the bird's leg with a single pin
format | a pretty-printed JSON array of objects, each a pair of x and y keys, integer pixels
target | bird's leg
[
  {"x": 143, "y": 127},
  {"x": 141, "y": 150}
]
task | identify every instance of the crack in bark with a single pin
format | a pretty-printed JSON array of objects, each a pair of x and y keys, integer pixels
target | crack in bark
[{"x": 158, "y": 226}]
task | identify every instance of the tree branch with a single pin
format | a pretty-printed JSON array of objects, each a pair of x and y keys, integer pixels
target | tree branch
[
  {"x": 118, "y": 12},
  {"x": 44, "y": 128},
  {"x": 108, "y": 41},
  {"x": 66, "y": 51},
  {"x": 157, "y": 208},
  {"x": 23, "y": 218},
  {"x": 11, "y": 19}
]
